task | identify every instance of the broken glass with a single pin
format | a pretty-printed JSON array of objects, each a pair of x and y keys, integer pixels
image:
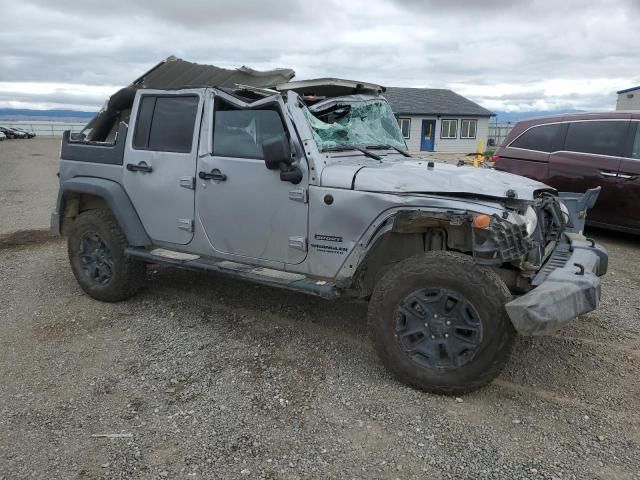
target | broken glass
[{"x": 355, "y": 123}]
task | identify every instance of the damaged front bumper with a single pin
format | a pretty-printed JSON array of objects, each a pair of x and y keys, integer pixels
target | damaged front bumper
[{"x": 566, "y": 286}]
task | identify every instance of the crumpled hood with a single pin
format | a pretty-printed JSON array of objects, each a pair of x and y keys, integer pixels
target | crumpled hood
[{"x": 414, "y": 176}]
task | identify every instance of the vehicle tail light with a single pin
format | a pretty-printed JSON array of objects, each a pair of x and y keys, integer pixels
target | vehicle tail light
[{"x": 495, "y": 158}]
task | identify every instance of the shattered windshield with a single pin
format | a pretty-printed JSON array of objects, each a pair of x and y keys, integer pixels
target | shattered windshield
[{"x": 361, "y": 123}]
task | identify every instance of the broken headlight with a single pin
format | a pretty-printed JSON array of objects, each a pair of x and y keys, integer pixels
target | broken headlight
[{"x": 530, "y": 220}]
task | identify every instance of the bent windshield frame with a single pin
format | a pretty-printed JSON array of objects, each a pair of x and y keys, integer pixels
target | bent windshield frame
[{"x": 365, "y": 122}]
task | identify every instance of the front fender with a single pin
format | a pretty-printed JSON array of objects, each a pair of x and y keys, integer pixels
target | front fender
[{"x": 115, "y": 197}]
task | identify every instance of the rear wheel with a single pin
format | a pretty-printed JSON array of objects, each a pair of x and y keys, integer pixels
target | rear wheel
[
  {"x": 96, "y": 252},
  {"x": 438, "y": 322}
]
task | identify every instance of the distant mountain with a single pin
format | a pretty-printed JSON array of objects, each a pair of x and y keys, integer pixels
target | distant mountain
[
  {"x": 512, "y": 117},
  {"x": 48, "y": 115}
]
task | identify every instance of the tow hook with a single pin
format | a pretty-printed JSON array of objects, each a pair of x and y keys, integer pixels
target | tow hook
[{"x": 580, "y": 267}]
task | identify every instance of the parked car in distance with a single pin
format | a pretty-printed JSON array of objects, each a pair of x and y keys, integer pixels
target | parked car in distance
[
  {"x": 573, "y": 153},
  {"x": 8, "y": 132},
  {"x": 2, "y": 136},
  {"x": 18, "y": 133},
  {"x": 26, "y": 132}
]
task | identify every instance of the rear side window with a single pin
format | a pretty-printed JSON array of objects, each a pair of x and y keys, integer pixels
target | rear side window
[
  {"x": 602, "y": 138},
  {"x": 166, "y": 124},
  {"x": 240, "y": 133},
  {"x": 541, "y": 138}
]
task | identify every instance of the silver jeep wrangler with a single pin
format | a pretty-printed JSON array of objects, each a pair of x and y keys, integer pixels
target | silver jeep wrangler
[{"x": 306, "y": 185}]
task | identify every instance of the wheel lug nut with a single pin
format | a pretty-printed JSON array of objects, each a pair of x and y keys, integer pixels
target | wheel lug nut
[
  {"x": 435, "y": 315},
  {"x": 433, "y": 337},
  {"x": 446, "y": 335},
  {"x": 426, "y": 325},
  {"x": 448, "y": 322}
]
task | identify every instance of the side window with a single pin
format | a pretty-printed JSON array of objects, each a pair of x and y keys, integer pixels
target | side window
[
  {"x": 540, "y": 138},
  {"x": 166, "y": 124},
  {"x": 600, "y": 137},
  {"x": 240, "y": 133},
  {"x": 635, "y": 152},
  {"x": 468, "y": 128},
  {"x": 143, "y": 123},
  {"x": 405, "y": 126},
  {"x": 448, "y": 129}
]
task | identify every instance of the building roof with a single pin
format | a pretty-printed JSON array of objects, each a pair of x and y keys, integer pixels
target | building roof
[
  {"x": 628, "y": 90},
  {"x": 432, "y": 101}
]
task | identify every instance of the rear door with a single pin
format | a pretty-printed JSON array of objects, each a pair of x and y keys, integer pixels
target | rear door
[
  {"x": 591, "y": 157},
  {"x": 160, "y": 162},
  {"x": 629, "y": 181}
]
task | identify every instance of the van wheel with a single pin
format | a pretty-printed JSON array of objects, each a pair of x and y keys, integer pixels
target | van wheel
[
  {"x": 96, "y": 247},
  {"x": 438, "y": 323}
]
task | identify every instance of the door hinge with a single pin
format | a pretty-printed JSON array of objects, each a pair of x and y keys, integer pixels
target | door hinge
[
  {"x": 299, "y": 243},
  {"x": 185, "y": 224},
  {"x": 188, "y": 182},
  {"x": 298, "y": 195}
]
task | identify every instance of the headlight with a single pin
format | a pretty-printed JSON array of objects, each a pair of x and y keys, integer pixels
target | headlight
[
  {"x": 530, "y": 220},
  {"x": 565, "y": 212}
]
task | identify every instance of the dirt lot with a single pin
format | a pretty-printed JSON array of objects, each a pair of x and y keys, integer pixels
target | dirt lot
[{"x": 214, "y": 378}]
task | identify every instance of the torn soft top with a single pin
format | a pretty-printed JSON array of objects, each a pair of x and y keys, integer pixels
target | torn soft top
[{"x": 172, "y": 74}]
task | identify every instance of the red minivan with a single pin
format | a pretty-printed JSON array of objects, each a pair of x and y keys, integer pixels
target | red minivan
[{"x": 573, "y": 153}]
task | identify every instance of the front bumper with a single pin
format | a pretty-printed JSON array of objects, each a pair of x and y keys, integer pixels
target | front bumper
[{"x": 567, "y": 286}]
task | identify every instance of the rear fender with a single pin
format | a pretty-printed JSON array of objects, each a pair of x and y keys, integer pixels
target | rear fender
[{"x": 114, "y": 196}]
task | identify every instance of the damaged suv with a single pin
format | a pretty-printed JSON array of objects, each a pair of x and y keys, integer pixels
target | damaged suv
[{"x": 307, "y": 185}]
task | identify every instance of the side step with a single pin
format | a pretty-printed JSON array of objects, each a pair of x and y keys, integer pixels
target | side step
[{"x": 262, "y": 275}]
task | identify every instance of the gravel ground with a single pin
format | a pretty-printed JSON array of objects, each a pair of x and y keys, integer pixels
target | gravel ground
[{"x": 203, "y": 376}]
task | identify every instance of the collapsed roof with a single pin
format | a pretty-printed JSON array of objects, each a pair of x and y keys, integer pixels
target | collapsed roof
[{"x": 174, "y": 73}]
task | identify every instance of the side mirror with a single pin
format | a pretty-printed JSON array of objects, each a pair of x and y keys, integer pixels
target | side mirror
[{"x": 276, "y": 151}]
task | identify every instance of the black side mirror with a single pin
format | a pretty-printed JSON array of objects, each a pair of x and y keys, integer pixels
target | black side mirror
[{"x": 276, "y": 151}]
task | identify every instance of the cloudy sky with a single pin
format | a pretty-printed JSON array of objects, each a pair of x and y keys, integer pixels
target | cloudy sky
[{"x": 545, "y": 55}]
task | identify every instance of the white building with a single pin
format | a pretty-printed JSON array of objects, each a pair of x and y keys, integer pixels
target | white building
[
  {"x": 628, "y": 99},
  {"x": 438, "y": 120}
]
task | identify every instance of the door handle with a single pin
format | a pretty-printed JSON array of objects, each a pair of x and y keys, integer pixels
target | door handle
[
  {"x": 140, "y": 167},
  {"x": 608, "y": 174},
  {"x": 215, "y": 174},
  {"x": 627, "y": 177}
]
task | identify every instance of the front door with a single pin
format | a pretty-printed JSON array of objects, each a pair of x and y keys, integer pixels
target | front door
[
  {"x": 160, "y": 163},
  {"x": 427, "y": 140},
  {"x": 591, "y": 157},
  {"x": 245, "y": 209},
  {"x": 629, "y": 182}
]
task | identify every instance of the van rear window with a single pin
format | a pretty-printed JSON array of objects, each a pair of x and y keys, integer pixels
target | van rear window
[{"x": 541, "y": 138}]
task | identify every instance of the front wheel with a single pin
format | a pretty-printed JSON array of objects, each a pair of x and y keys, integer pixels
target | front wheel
[{"x": 438, "y": 322}]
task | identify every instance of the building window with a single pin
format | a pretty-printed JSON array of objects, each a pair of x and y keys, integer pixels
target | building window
[
  {"x": 468, "y": 128},
  {"x": 405, "y": 126},
  {"x": 448, "y": 128}
]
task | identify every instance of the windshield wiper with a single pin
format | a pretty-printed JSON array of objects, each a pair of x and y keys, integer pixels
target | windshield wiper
[
  {"x": 355, "y": 147},
  {"x": 399, "y": 150}
]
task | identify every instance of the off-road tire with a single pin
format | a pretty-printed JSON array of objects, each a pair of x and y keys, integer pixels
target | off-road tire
[
  {"x": 127, "y": 274},
  {"x": 482, "y": 288}
]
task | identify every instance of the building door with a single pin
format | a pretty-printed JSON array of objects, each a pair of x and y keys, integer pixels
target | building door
[{"x": 427, "y": 140}]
